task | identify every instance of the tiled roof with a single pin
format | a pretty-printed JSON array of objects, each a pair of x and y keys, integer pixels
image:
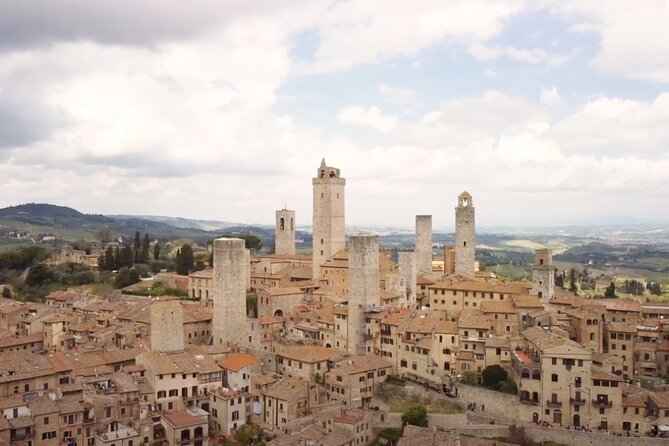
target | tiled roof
[{"x": 237, "y": 361}]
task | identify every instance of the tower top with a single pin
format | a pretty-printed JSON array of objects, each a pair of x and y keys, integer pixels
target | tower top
[
  {"x": 465, "y": 200},
  {"x": 325, "y": 171}
]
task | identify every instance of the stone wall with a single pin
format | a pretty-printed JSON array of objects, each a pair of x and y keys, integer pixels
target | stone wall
[
  {"x": 363, "y": 287},
  {"x": 409, "y": 271},
  {"x": 167, "y": 326},
  {"x": 229, "y": 326},
  {"x": 424, "y": 245},
  {"x": 465, "y": 236}
]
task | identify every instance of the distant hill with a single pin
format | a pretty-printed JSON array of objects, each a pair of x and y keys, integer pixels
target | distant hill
[
  {"x": 46, "y": 214},
  {"x": 180, "y": 222}
]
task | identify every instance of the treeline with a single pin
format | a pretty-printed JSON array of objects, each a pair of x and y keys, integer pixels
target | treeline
[
  {"x": 126, "y": 256},
  {"x": 638, "y": 288}
]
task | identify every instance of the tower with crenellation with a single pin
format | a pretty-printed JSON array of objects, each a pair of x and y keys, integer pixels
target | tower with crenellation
[
  {"x": 465, "y": 235},
  {"x": 329, "y": 233}
]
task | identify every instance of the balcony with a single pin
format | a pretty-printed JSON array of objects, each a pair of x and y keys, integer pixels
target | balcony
[
  {"x": 602, "y": 403},
  {"x": 553, "y": 403},
  {"x": 577, "y": 401},
  {"x": 367, "y": 337},
  {"x": 529, "y": 402}
]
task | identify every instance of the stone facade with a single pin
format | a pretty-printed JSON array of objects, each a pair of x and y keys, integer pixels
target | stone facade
[
  {"x": 167, "y": 321},
  {"x": 465, "y": 237},
  {"x": 409, "y": 270},
  {"x": 424, "y": 245},
  {"x": 284, "y": 232},
  {"x": 329, "y": 232},
  {"x": 363, "y": 291},
  {"x": 543, "y": 274},
  {"x": 230, "y": 274}
]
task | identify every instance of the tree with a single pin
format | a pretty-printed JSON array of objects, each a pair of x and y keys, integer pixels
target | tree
[
  {"x": 415, "y": 416},
  {"x": 655, "y": 288},
  {"x": 38, "y": 275},
  {"x": 105, "y": 235},
  {"x": 493, "y": 375},
  {"x": 6, "y": 293},
  {"x": 156, "y": 251},
  {"x": 116, "y": 260},
  {"x": 126, "y": 257},
  {"x": 126, "y": 277},
  {"x": 559, "y": 280},
  {"x": 185, "y": 261},
  {"x": 146, "y": 245},
  {"x": 137, "y": 247},
  {"x": 610, "y": 292}
]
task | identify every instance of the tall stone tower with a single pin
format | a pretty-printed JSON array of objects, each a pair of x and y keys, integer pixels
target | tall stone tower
[
  {"x": 363, "y": 288},
  {"x": 449, "y": 259},
  {"x": 284, "y": 232},
  {"x": 424, "y": 245},
  {"x": 543, "y": 274},
  {"x": 328, "y": 226},
  {"x": 465, "y": 236},
  {"x": 229, "y": 325},
  {"x": 408, "y": 270},
  {"x": 167, "y": 326}
]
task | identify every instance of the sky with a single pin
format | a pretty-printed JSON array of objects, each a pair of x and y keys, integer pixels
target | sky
[{"x": 547, "y": 112}]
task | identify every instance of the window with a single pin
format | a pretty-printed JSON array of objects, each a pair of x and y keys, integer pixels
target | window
[
  {"x": 554, "y": 377},
  {"x": 46, "y": 420}
]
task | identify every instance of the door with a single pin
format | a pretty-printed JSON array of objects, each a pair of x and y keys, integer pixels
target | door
[
  {"x": 557, "y": 417},
  {"x": 577, "y": 420}
]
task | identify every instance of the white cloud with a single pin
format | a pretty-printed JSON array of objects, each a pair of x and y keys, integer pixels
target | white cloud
[
  {"x": 616, "y": 125},
  {"x": 632, "y": 34},
  {"x": 367, "y": 117},
  {"x": 491, "y": 52},
  {"x": 550, "y": 96},
  {"x": 366, "y": 31},
  {"x": 396, "y": 94}
]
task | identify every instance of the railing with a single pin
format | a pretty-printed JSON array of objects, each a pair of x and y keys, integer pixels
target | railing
[
  {"x": 554, "y": 403},
  {"x": 577, "y": 401},
  {"x": 602, "y": 403},
  {"x": 531, "y": 402}
]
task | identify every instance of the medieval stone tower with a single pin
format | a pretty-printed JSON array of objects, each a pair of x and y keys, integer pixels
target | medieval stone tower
[
  {"x": 284, "y": 232},
  {"x": 543, "y": 274},
  {"x": 465, "y": 236},
  {"x": 328, "y": 226},
  {"x": 408, "y": 270},
  {"x": 363, "y": 288},
  {"x": 167, "y": 326},
  {"x": 229, "y": 325},
  {"x": 424, "y": 245}
]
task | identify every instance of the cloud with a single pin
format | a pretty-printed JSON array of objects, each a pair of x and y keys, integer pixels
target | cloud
[
  {"x": 632, "y": 35},
  {"x": 534, "y": 56},
  {"x": 367, "y": 117},
  {"x": 617, "y": 125},
  {"x": 396, "y": 94},
  {"x": 550, "y": 96},
  {"x": 32, "y": 22},
  {"x": 357, "y": 32}
]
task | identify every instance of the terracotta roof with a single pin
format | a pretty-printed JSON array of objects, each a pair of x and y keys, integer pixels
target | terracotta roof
[
  {"x": 526, "y": 301},
  {"x": 309, "y": 354},
  {"x": 621, "y": 327},
  {"x": 598, "y": 373},
  {"x": 498, "y": 306},
  {"x": 482, "y": 286},
  {"x": 238, "y": 361},
  {"x": 360, "y": 364},
  {"x": 207, "y": 273},
  {"x": 183, "y": 419}
]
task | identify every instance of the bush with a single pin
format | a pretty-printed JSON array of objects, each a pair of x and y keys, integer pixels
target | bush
[
  {"x": 493, "y": 375},
  {"x": 416, "y": 416},
  {"x": 126, "y": 277}
]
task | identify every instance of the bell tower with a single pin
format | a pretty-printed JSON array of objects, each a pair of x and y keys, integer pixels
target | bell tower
[
  {"x": 284, "y": 232},
  {"x": 465, "y": 236},
  {"x": 328, "y": 226}
]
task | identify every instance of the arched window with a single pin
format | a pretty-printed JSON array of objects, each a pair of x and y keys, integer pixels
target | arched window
[
  {"x": 525, "y": 373},
  {"x": 332, "y": 174},
  {"x": 282, "y": 223},
  {"x": 322, "y": 174},
  {"x": 536, "y": 374},
  {"x": 464, "y": 244},
  {"x": 592, "y": 336},
  {"x": 588, "y": 322}
]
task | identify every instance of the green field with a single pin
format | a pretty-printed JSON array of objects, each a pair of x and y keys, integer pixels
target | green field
[{"x": 656, "y": 262}]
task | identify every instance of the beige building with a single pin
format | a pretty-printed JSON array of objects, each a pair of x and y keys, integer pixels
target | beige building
[
  {"x": 228, "y": 410},
  {"x": 304, "y": 362},
  {"x": 200, "y": 284},
  {"x": 354, "y": 379},
  {"x": 183, "y": 428}
]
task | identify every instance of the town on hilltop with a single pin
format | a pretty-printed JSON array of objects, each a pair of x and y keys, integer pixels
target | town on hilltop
[{"x": 345, "y": 347}]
